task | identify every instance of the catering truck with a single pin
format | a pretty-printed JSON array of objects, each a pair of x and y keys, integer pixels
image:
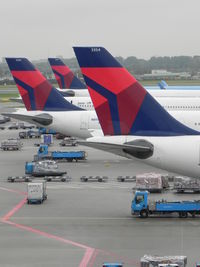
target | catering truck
[{"x": 144, "y": 207}]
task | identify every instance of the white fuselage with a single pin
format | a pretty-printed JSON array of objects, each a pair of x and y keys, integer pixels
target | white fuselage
[
  {"x": 179, "y": 154},
  {"x": 168, "y": 103},
  {"x": 84, "y": 124},
  {"x": 154, "y": 92}
]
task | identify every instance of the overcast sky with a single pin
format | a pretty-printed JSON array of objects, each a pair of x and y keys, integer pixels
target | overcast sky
[{"x": 143, "y": 28}]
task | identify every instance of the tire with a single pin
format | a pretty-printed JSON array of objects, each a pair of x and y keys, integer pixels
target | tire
[
  {"x": 100, "y": 180},
  {"x": 183, "y": 214},
  {"x": 122, "y": 180},
  {"x": 144, "y": 213}
]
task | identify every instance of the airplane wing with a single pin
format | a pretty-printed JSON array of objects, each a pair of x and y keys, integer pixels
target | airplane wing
[
  {"x": 140, "y": 149},
  {"x": 43, "y": 119}
]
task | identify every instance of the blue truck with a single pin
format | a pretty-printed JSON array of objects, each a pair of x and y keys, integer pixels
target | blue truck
[
  {"x": 43, "y": 130},
  {"x": 141, "y": 205},
  {"x": 69, "y": 156}
]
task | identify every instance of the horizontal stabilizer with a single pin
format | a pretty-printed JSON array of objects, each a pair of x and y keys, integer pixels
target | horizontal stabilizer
[
  {"x": 41, "y": 119},
  {"x": 140, "y": 148}
]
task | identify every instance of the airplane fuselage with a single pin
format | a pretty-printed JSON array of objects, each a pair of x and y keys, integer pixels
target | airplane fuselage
[
  {"x": 84, "y": 124},
  {"x": 180, "y": 154}
]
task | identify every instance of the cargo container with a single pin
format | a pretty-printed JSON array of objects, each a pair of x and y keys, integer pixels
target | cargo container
[
  {"x": 43, "y": 168},
  {"x": 163, "y": 261},
  {"x": 182, "y": 184},
  {"x": 153, "y": 182}
]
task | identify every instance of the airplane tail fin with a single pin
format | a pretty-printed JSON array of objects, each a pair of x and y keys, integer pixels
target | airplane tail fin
[
  {"x": 64, "y": 76},
  {"x": 37, "y": 93},
  {"x": 123, "y": 106}
]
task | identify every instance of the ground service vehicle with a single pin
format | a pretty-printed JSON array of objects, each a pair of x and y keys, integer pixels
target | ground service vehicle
[
  {"x": 46, "y": 169},
  {"x": 68, "y": 141},
  {"x": 163, "y": 261},
  {"x": 13, "y": 126},
  {"x": 29, "y": 134},
  {"x": 126, "y": 178},
  {"x": 36, "y": 192},
  {"x": 4, "y": 119},
  {"x": 11, "y": 144},
  {"x": 60, "y": 136},
  {"x": 182, "y": 184},
  {"x": 43, "y": 168},
  {"x": 24, "y": 126},
  {"x": 46, "y": 131},
  {"x": 47, "y": 139},
  {"x": 94, "y": 178},
  {"x": 19, "y": 125},
  {"x": 43, "y": 153},
  {"x": 144, "y": 207}
]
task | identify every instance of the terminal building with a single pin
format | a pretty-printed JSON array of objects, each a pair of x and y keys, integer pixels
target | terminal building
[{"x": 164, "y": 74}]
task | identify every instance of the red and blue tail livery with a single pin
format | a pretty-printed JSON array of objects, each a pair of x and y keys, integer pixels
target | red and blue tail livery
[
  {"x": 64, "y": 76},
  {"x": 37, "y": 93},
  {"x": 122, "y": 105}
]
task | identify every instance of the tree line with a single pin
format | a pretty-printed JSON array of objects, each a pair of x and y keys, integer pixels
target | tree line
[{"x": 133, "y": 64}]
